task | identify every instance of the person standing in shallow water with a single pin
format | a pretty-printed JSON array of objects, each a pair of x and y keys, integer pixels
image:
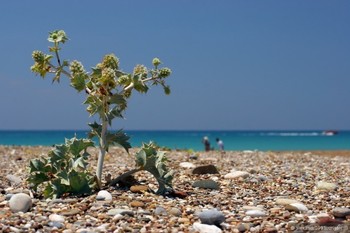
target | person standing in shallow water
[
  {"x": 220, "y": 144},
  {"x": 206, "y": 143}
]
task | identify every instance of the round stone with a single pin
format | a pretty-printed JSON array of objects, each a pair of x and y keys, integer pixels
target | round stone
[
  {"x": 204, "y": 228},
  {"x": 104, "y": 195},
  {"x": 175, "y": 211},
  {"x": 211, "y": 217},
  {"x": 137, "y": 204},
  {"x": 298, "y": 207},
  {"x": 20, "y": 202},
  {"x": 341, "y": 212},
  {"x": 56, "y": 218}
]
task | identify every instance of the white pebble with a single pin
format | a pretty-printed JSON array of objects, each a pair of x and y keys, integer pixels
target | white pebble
[
  {"x": 56, "y": 218},
  {"x": 205, "y": 228},
  {"x": 104, "y": 195},
  {"x": 256, "y": 213}
]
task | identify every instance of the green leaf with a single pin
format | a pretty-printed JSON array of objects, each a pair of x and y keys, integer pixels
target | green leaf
[
  {"x": 141, "y": 158},
  {"x": 48, "y": 191},
  {"x": 139, "y": 85},
  {"x": 113, "y": 113},
  {"x": 118, "y": 138},
  {"x": 37, "y": 165},
  {"x": 76, "y": 146},
  {"x": 119, "y": 100},
  {"x": 95, "y": 105},
  {"x": 64, "y": 177},
  {"x": 80, "y": 163},
  {"x": 37, "y": 178},
  {"x": 58, "y": 188},
  {"x": 167, "y": 90},
  {"x": 79, "y": 183},
  {"x": 96, "y": 130},
  {"x": 58, "y": 154},
  {"x": 78, "y": 82}
]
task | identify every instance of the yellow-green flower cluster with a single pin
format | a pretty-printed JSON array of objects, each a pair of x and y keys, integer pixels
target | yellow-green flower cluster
[
  {"x": 164, "y": 72},
  {"x": 108, "y": 77},
  {"x": 140, "y": 70},
  {"x": 76, "y": 68},
  {"x": 110, "y": 61},
  {"x": 38, "y": 56}
]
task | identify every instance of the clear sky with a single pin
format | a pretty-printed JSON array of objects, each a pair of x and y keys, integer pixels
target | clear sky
[{"x": 236, "y": 64}]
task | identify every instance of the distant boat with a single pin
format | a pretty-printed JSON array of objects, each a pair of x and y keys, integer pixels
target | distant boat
[{"x": 329, "y": 132}]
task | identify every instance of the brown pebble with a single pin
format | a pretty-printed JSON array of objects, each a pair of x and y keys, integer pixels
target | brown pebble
[
  {"x": 270, "y": 230},
  {"x": 183, "y": 220},
  {"x": 138, "y": 188},
  {"x": 327, "y": 221},
  {"x": 137, "y": 204},
  {"x": 70, "y": 212}
]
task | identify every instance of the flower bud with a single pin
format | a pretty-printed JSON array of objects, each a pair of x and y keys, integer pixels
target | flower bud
[
  {"x": 107, "y": 77},
  {"x": 164, "y": 72},
  {"x": 108, "y": 73},
  {"x": 156, "y": 62},
  {"x": 76, "y": 67},
  {"x": 38, "y": 56},
  {"x": 110, "y": 61},
  {"x": 140, "y": 69},
  {"x": 124, "y": 80}
]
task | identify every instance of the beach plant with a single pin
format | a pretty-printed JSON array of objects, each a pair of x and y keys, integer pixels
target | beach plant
[
  {"x": 65, "y": 170},
  {"x": 107, "y": 89},
  {"x": 150, "y": 158}
]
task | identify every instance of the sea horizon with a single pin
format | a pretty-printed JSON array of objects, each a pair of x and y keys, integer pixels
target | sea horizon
[{"x": 264, "y": 140}]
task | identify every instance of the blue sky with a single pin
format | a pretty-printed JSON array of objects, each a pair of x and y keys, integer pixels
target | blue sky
[{"x": 236, "y": 64}]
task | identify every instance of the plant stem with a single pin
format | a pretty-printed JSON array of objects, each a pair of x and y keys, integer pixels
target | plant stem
[
  {"x": 103, "y": 148},
  {"x": 123, "y": 176}
]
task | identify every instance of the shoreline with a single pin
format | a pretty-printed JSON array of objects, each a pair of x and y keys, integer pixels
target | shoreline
[
  {"x": 331, "y": 153},
  {"x": 251, "y": 191}
]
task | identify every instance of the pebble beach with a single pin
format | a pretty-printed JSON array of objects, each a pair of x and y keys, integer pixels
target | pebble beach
[{"x": 235, "y": 191}]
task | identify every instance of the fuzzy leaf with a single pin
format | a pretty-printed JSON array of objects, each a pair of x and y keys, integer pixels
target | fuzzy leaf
[
  {"x": 113, "y": 113},
  {"x": 38, "y": 165},
  {"x": 79, "y": 183},
  {"x": 64, "y": 177},
  {"x": 58, "y": 188},
  {"x": 119, "y": 138},
  {"x": 117, "y": 99},
  {"x": 37, "y": 178},
  {"x": 48, "y": 191},
  {"x": 94, "y": 105},
  {"x": 78, "y": 82},
  {"x": 80, "y": 163},
  {"x": 153, "y": 161},
  {"x": 141, "y": 158},
  {"x": 96, "y": 130},
  {"x": 139, "y": 85},
  {"x": 79, "y": 145}
]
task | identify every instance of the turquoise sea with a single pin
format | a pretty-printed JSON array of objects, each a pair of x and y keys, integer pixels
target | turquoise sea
[{"x": 191, "y": 139}]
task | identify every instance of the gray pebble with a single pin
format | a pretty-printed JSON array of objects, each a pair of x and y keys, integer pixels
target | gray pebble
[
  {"x": 14, "y": 180},
  {"x": 20, "y": 202},
  {"x": 160, "y": 210},
  {"x": 341, "y": 212},
  {"x": 113, "y": 212},
  {"x": 211, "y": 217},
  {"x": 208, "y": 184}
]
